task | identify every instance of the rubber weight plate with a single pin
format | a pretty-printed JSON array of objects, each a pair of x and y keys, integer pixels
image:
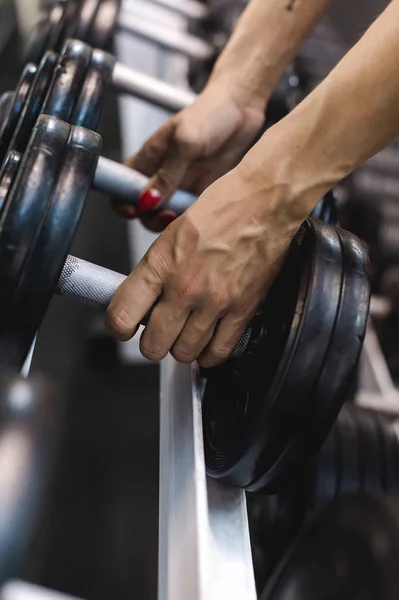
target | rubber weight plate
[
  {"x": 351, "y": 550},
  {"x": 41, "y": 214},
  {"x": 8, "y": 126},
  {"x": 8, "y": 172},
  {"x": 48, "y": 34},
  {"x": 102, "y": 31},
  {"x": 255, "y": 407},
  {"x": 86, "y": 19},
  {"x": 30, "y": 109}
]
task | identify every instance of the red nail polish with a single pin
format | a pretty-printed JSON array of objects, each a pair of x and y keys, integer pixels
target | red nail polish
[
  {"x": 167, "y": 218},
  {"x": 127, "y": 212},
  {"x": 148, "y": 200}
]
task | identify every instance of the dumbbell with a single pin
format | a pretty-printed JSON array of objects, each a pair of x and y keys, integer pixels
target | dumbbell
[
  {"x": 307, "y": 336},
  {"x": 29, "y": 432},
  {"x": 192, "y": 9},
  {"x": 96, "y": 21},
  {"x": 264, "y": 417},
  {"x": 350, "y": 550},
  {"x": 360, "y": 455},
  {"x": 71, "y": 87}
]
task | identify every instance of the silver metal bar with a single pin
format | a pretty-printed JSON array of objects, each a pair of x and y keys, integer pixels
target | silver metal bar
[
  {"x": 170, "y": 97},
  {"x": 173, "y": 40},
  {"x": 187, "y": 8},
  {"x": 20, "y": 590},
  {"x": 28, "y": 362},
  {"x": 204, "y": 545},
  {"x": 88, "y": 283},
  {"x": 125, "y": 185}
]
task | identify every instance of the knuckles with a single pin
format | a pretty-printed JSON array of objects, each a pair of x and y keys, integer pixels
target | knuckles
[{"x": 119, "y": 323}]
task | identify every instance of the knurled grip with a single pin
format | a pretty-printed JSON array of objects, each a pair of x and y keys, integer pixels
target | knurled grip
[
  {"x": 95, "y": 286},
  {"x": 89, "y": 283}
]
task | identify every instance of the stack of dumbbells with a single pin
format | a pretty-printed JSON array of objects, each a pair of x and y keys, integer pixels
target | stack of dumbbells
[{"x": 279, "y": 417}]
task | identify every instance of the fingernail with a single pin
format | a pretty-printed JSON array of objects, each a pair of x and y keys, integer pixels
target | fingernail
[
  {"x": 148, "y": 200},
  {"x": 167, "y": 218},
  {"x": 127, "y": 212}
]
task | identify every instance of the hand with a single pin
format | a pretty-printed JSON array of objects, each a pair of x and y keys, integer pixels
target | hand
[
  {"x": 193, "y": 149},
  {"x": 209, "y": 270}
]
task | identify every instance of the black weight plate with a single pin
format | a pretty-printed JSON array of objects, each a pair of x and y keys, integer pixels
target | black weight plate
[
  {"x": 6, "y": 101},
  {"x": 20, "y": 224},
  {"x": 350, "y": 551},
  {"x": 86, "y": 19},
  {"x": 371, "y": 454},
  {"x": 88, "y": 109},
  {"x": 32, "y": 107},
  {"x": 349, "y": 452},
  {"x": 390, "y": 445},
  {"x": 342, "y": 357},
  {"x": 20, "y": 95},
  {"x": 48, "y": 34},
  {"x": 69, "y": 77},
  {"x": 8, "y": 172},
  {"x": 328, "y": 473},
  {"x": 105, "y": 23},
  {"x": 41, "y": 271},
  {"x": 254, "y": 407}
]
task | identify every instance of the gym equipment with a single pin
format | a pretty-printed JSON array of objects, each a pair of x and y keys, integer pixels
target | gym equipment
[
  {"x": 96, "y": 21},
  {"x": 71, "y": 88},
  {"x": 360, "y": 454},
  {"x": 29, "y": 429},
  {"x": 264, "y": 417},
  {"x": 192, "y": 9},
  {"x": 351, "y": 550},
  {"x": 44, "y": 193}
]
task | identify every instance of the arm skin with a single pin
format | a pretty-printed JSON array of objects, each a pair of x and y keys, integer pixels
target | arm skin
[
  {"x": 213, "y": 266},
  {"x": 206, "y": 140}
]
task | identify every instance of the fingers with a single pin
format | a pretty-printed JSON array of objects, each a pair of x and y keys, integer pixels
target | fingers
[
  {"x": 135, "y": 297},
  {"x": 224, "y": 342}
]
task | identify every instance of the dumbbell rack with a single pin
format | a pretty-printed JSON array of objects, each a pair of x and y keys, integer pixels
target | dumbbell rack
[{"x": 204, "y": 545}]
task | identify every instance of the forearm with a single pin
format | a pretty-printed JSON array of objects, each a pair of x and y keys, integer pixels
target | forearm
[
  {"x": 352, "y": 115},
  {"x": 264, "y": 42}
]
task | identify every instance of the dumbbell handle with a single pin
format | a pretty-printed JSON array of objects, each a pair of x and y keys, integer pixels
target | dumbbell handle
[
  {"x": 125, "y": 184},
  {"x": 168, "y": 38},
  {"x": 129, "y": 81},
  {"x": 95, "y": 286}
]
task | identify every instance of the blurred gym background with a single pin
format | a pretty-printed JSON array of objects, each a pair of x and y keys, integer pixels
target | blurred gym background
[{"x": 99, "y": 539}]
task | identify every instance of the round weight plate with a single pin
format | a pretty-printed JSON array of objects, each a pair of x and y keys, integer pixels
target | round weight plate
[
  {"x": 254, "y": 407},
  {"x": 6, "y": 101},
  {"x": 47, "y": 35},
  {"x": 104, "y": 25},
  {"x": 342, "y": 356},
  {"x": 32, "y": 107},
  {"x": 328, "y": 473},
  {"x": 351, "y": 550},
  {"x": 20, "y": 96},
  {"x": 68, "y": 80},
  {"x": 8, "y": 172},
  {"x": 30, "y": 418},
  {"x": 390, "y": 445},
  {"x": 41, "y": 271},
  {"x": 86, "y": 19},
  {"x": 20, "y": 224},
  {"x": 90, "y": 103},
  {"x": 339, "y": 364},
  {"x": 371, "y": 454},
  {"x": 349, "y": 452}
]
